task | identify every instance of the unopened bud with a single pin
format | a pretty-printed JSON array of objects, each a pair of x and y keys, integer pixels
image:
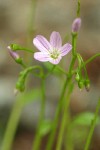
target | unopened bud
[
  {"x": 87, "y": 85},
  {"x": 77, "y": 77},
  {"x": 76, "y": 25},
  {"x": 15, "y": 56},
  {"x": 81, "y": 84}
]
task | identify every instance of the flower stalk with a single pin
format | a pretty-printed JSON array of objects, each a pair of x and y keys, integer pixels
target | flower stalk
[
  {"x": 56, "y": 119},
  {"x": 12, "y": 125},
  {"x": 64, "y": 117},
  {"x": 38, "y": 138}
]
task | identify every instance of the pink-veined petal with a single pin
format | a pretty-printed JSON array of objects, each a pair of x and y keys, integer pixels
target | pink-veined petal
[
  {"x": 41, "y": 43},
  {"x": 55, "y": 61},
  {"x": 55, "y": 40},
  {"x": 65, "y": 49},
  {"x": 41, "y": 56}
]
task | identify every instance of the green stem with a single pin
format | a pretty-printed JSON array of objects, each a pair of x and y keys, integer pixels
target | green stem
[
  {"x": 93, "y": 123},
  {"x": 69, "y": 145},
  {"x": 25, "y": 49},
  {"x": 74, "y": 39},
  {"x": 23, "y": 65},
  {"x": 64, "y": 118},
  {"x": 82, "y": 64},
  {"x": 55, "y": 122},
  {"x": 78, "y": 9},
  {"x": 91, "y": 58},
  {"x": 74, "y": 56},
  {"x": 31, "y": 27},
  {"x": 16, "y": 47},
  {"x": 38, "y": 138},
  {"x": 12, "y": 125},
  {"x": 59, "y": 108}
]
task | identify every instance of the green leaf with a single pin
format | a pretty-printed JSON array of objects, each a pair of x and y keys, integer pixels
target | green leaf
[
  {"x": 45, "y": 127},
  {"x": 84, "y": 119}
]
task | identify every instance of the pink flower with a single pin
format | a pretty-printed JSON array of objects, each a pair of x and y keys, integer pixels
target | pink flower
[{"x": 52, "y": 51}]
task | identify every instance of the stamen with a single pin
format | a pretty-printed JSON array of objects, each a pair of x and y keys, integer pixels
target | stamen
[{"x": 54, "y": 54}]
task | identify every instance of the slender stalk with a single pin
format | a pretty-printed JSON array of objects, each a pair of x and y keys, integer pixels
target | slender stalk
[
  {"x": 25, "y": 49},
  {"x": 64, "y": 118},
  {"x": 38, "y": 138},
  {"x": 31, "y": 26},
  {"x": 66, "y": 84},
  {"x": 93, "y": 124},
  {"x": 12, "y": 125},
  {"x": 74, "y": 40},
  {"x": 68, "y": 137},
  {"x": 64, "y": 121},
  {"x": 92, "y": 58},
  {"x": 74, "y": 56},
  {"x": 55, "y": 122},
  {"x": 16, "y": 47},
  {"x": 78, "y": 8},
  {"x": 82, "y": 64},
  {"x": 23, "y": 65}
]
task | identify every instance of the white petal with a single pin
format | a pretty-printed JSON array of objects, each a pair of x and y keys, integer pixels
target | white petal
[
  {"x": 65, "y": 49},
  {"x": 41, "y": 43},
  {"x": 55, "y": 40},
  {"x": 41, "y": 56}
]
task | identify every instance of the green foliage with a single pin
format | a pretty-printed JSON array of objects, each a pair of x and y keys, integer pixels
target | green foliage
[
  {"x": 78, "y": 129},
  {"x": 84, "y": 119}
]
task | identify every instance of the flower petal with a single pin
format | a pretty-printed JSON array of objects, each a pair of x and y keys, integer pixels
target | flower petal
[
  {"x": 41, "y": 43},
  {"x": 55, "y": 40},
  {"x": 65, "y": 49},
  {"x": 41, "y": 56},
  {"x": 55, "y": 61}
]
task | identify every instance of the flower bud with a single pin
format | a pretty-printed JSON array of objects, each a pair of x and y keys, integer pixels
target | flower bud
[
  {"x": 77, "y": 77},
  {"x": 81, "y": 84},
  {"x": 76, "y": 25},
  {"x": 87, "y": 85},
  {"x": 15, "y": 56}
]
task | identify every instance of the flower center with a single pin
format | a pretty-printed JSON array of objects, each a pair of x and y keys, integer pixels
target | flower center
[{"x": 54, "y": 54}]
